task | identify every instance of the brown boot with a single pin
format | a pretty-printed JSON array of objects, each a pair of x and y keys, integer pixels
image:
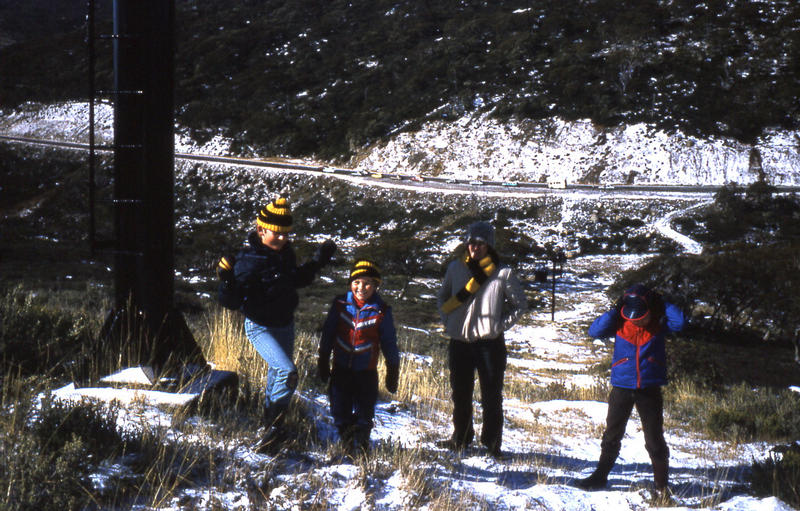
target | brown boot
[
  {"x": 662, "y": 497},
  {"x": 661, "y": 474}
]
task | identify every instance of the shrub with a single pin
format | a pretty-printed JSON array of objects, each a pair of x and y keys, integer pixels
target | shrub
[
  {"x": 779, "y": 474},
  {"x": 50, "y": 442},
  {"x": 43, "y": 480},
  {"x": 36, "y": 338},
  {"x": 59, "y": 423},
  {"x": 738, "y": 413}
]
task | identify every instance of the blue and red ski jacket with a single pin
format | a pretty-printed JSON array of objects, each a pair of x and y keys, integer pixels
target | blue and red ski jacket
[
  {"x": 639, "y": 352},
  {"x": 357, "y": 335}
]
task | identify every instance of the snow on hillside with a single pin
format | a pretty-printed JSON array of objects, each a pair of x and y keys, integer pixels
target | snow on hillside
[{"x": 479, "y": 147}]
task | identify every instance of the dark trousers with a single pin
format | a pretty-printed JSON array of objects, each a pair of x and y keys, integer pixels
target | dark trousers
[
  {"x": 488, "y": 357},
  {"x": 650, "y": 407},
  {"x": 353, "y": 395}
]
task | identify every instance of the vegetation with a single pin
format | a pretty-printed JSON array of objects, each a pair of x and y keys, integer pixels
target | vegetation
[
  {"x": 45, "y": 340},
  {"x": 306, "y": 78},
  {"x": 740, "y": 290},
  {"x": 779, "y": 474},
  {"x": 741, "y": 316}
]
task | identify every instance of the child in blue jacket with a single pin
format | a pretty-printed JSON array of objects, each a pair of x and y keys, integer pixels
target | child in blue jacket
[
  {"x": 359, "y": 326},
  {"x": 639, "y": 321}
]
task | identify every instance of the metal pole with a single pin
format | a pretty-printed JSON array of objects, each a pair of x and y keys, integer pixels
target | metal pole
[
  {"x": 90, "y": 40},
  {"x": 553, "y": 293},
  {"x": 144, "y": 155}
]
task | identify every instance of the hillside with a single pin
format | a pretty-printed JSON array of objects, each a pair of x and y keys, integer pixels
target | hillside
[
  {"x": 730, "y": 401},
  {"x": 303, "y": 78}
]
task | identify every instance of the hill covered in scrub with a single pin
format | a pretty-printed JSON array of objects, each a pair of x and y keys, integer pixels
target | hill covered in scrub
[{"x": 302, "y": 78}]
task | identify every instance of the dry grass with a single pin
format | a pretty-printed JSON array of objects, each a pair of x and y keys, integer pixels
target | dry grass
[{"x": 205, "y": 450}]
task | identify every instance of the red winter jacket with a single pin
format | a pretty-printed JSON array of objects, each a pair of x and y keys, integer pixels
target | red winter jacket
[{"x": 357, "y": 335}]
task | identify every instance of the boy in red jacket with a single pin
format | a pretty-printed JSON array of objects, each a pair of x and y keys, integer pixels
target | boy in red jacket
[{"x": 359, "y": 326}]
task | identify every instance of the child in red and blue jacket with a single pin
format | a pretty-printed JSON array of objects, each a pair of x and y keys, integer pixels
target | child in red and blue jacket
[
  {"x": 359, "y": 326},
  {"x": 639, "y": 321}
]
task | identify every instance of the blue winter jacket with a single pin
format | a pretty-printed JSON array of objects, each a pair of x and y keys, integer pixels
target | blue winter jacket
[
  {"x": 639, "y": 353},
  {"x": 357, "y": 335}
]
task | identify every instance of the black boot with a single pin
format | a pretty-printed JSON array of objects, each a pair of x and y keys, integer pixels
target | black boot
[
  {"x": 274, "y": 434},
  {"x": 661, "y": 474},
  {"x": 493, "y": 449},
  {"x": 346, "y": 435},
  {"x": 361, "y": 439},
  {"x": 459, "y": 441},
  {"x": 599, "y": 478}
]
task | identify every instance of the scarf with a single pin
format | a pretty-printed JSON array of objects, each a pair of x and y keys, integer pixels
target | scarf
[{"x": 481, "y": 270}]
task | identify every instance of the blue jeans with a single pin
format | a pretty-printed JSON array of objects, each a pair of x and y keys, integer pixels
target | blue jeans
[{"x": 276, "y": 347}]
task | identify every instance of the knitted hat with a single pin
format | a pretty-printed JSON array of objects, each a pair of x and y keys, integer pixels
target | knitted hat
[
  {"x": 276, "y": 216},
  {"x": 365, "y": 268},
  {"x": 480, "y": 231},
  {"x": 634, "y": 302}
]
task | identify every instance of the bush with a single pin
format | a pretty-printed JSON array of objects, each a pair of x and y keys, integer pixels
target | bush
[
  {"x": 58, "y": 424},
  {"x": 741, "y": 413},
  {"x": 49, "y": 449},
  {"x": 43, "y": 480},
  {"x": 779, "y": 474},
  {"x": 35, "y": 338}
]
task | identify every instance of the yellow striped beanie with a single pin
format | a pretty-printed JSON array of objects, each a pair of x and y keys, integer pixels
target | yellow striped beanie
[
  {"x": 365, "y": 268},
  {"x": 276, "y": 216}
]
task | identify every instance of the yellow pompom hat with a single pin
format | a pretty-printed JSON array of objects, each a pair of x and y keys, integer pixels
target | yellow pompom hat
[
  {"x": 365, "y": 268},
  {"x": 276, "y": 216}
]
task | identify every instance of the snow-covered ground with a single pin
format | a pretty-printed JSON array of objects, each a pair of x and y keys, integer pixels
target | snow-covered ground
[
  {"x": 478, "y": 147},
  {"x": 548, "y": 443}
]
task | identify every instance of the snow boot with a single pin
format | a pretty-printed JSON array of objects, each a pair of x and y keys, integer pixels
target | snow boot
[
  {"x": 275, "y": 434},
  {"x": 662, "y": 497},
  {"x": 599, "y": 478}
]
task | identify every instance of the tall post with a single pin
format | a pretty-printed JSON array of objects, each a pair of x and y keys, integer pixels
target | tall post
[
  {"x": 144, "y": 153},
  {"x": 553, "y": 293}
]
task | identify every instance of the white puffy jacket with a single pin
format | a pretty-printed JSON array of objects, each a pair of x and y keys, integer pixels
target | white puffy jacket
[{"x": 496, "y": 306}]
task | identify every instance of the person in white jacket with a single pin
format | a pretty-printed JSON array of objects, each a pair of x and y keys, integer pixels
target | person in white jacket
[{"x": 479, "y": 299}]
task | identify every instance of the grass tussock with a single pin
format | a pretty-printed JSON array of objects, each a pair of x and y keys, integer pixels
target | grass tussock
[{"x": 739, "y": 413}]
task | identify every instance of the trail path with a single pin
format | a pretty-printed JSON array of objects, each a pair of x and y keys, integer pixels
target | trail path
[{"x": 664, "y": 226}]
